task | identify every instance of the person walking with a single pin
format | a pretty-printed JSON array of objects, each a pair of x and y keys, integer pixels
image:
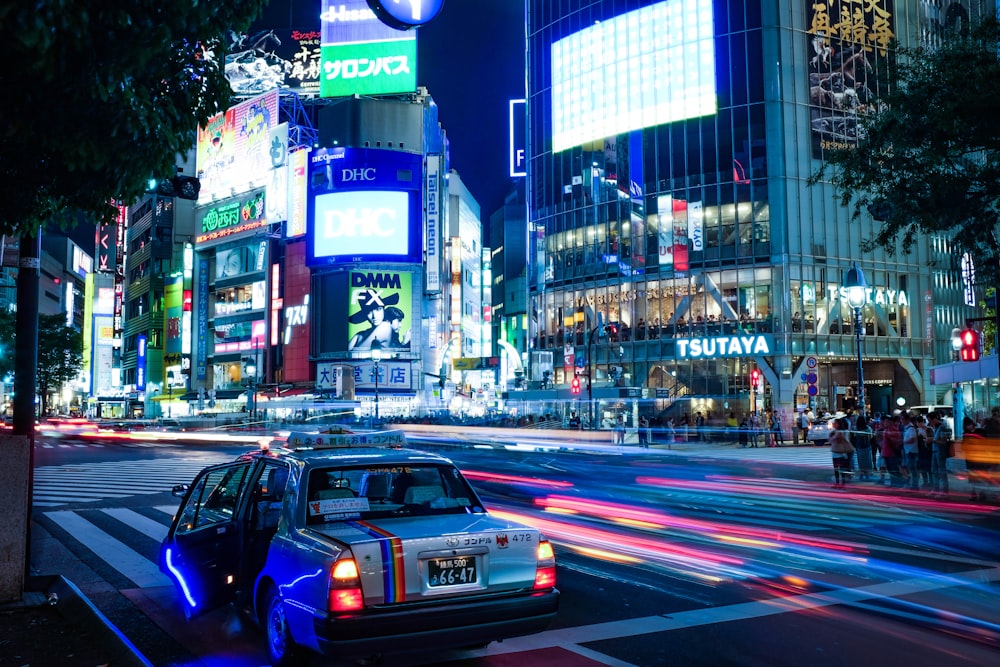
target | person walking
[
  {"x": 925, "y": 453},
  {"x": 892, "y": 450},
  {"x": 620, "y": 431},
  {"x": 911, "y": 450},
  {"x": 777, "y": 439},
  {"x": 744, "y": 435},
  {"x": 754, "y": 425},
  {"x": 862, "y": 441},
  {"x": 841, "y": 451},
  {"x": 941, "y": 450},
  {"x": 643, "y": 432}
]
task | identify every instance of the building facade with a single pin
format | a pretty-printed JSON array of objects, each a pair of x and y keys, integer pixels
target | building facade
[{"x": 675, "y": 244}]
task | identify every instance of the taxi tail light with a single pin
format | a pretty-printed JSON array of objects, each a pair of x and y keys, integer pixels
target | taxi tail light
[
  {"x": 345, "y": 586},
  {"x": 545, "y": 568}
]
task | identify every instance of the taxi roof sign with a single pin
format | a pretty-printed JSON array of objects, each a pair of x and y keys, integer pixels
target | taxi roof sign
[{"x": 300, "y": 440}]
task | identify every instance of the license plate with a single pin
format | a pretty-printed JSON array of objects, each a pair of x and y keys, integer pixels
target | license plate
[{"x": 451, "y": 571}]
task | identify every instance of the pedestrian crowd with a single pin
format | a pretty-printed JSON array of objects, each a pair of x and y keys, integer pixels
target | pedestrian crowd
[{"x": 901, "y": 450}]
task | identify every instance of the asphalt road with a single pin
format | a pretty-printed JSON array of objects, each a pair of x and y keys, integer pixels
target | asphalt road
[{"x": 711, "y": 557}]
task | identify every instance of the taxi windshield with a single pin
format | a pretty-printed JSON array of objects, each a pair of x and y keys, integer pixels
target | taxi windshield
[{"x": 380, "y": 491}]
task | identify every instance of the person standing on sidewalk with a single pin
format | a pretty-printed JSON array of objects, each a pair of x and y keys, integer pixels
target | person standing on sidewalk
[
  {"x": 941, "y": 448},
  {"x": 777, "y": 439},
  {"x": 841, "y": 451},
  {"x": 754, "y": 424},
  {"x": 862, "y": 441},
  {"x": 911, "y": 450},
  {"x": 892, "y": 450},
  {"x": 744, "y": 436},
  {"x": 643, "y": 432}
]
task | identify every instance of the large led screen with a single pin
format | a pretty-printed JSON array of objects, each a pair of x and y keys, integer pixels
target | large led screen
[
  {"x": 363, "y": 205},
  {"x": 647, "y": 67},
  {"x": 362, "y": 223}
]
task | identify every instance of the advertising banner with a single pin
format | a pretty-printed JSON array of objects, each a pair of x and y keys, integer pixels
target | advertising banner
[
  {"x": 297, "y": 191},
  {"x": 360, "y": 55},
  {"x": 277, "y": 59},
  {"x": 173, "y": 302},
  {"x": 201, "y": 349},
  {"x": 276, "y": 201},
  {"x": 364, "y": 205},
  {"x": 381, "y": 310},
  {"x": 848, "y": 43},
  {"x": 231, "y": 218},
  {"x": 234, "y": 147},
  {"x": 392, "y": 375},
  {"x": 140, "y": 363},
  {"x": 432, "y": 213},
  {"x": 235, "y": 262}
]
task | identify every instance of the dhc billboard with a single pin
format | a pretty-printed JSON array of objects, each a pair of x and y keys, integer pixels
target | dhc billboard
[{"x": 364, "y": 205}]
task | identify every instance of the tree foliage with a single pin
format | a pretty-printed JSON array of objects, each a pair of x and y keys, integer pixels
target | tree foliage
[
  {"x": 928, "y": 161},
  {"x": 101, "y": 95},
  {"x": 60, "y": 353},
  {"x": 60, "y": 356}
]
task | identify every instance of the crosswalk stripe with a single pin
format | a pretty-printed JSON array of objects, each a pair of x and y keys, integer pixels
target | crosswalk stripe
[
  {"x": 143, "y": 572},
  {"x": 139, "y": 522}
]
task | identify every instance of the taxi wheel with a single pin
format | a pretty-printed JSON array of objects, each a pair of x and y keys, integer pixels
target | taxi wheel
[{"x": 280, "y": 645}]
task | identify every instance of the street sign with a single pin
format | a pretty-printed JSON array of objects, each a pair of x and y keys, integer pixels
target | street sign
[{"x": 811, "y": 363}]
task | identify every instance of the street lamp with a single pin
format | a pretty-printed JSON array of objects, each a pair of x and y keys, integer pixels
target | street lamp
[
  {"x": 251, "y": 390},
  {"x": 376, "y": 358},
  {"x": 857, "y": 297}
]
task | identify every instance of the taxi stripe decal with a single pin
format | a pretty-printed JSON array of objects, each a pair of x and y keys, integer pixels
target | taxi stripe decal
[{"x": 393, "y": 577}]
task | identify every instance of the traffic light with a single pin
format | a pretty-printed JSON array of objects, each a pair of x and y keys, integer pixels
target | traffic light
[
  {"x": 574, "y": 387},
  {"x": 182, "y": 187},
  {"x": 755, "y": 378},
  {"x": 970, "y": 345}
]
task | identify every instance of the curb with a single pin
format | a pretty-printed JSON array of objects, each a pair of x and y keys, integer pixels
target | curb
[{"x": 76, "y": 607}]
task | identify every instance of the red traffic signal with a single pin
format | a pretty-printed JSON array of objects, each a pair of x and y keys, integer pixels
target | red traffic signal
[
  {"x": 755, "y": 377},
  {"x": 970, "y": 345},
  {"x": 574, "y": 386}
]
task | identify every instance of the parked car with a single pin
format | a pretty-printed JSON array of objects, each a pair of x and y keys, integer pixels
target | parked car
[
  {"x": 350, "y": 544},
  {"x": 819, "y": 431}
]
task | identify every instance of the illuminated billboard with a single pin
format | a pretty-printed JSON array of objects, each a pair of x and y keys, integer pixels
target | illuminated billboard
[
  {"x": 234, "y": 147},
  {"x": 849, "y": 42},
  {"x": 380, "y": 310},
  {"x": 231, "y": 218},
  {"x": 364, "y": 205},
  {"x": 646, "y": 67},
  {"x": 361, "y": 55}
]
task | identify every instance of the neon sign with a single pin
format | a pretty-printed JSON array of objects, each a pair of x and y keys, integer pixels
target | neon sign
[{"x": 723, "y": 346}]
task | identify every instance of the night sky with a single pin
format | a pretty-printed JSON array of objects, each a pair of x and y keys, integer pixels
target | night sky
[{"x": 471, "y": 60}]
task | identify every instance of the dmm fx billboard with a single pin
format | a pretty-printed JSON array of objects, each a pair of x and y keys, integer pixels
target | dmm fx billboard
[
  {"x": 380, "y": 310},
  {"x": 364, "y": 206},
  {"x": 716, "y": 347},
  {"x": 361, "y": 55}
]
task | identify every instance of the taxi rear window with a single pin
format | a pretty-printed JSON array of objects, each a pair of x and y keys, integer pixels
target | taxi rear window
[{"x": 370, "y": 492}]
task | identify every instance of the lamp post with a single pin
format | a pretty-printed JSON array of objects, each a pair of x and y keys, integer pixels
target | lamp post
[
  {"x": 857, "y": 297},
  {"x": 252, "y": 390},
  {"x": 376, "y": 358}
]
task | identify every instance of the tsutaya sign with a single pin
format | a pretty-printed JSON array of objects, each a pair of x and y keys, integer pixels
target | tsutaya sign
[
  {"x": 875, "y": 295},
  {"x": 724, "y": 346}
]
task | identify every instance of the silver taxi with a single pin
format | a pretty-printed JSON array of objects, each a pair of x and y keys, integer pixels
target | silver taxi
[{"x": 351, "y": 544}]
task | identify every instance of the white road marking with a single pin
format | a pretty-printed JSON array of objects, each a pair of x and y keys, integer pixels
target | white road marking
[{"x": 130, "y": 563}]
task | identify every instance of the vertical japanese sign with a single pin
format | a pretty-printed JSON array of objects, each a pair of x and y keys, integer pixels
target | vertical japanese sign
[
  {"x": 140, "y": 363},
  {"x": 432, "y": 214},
  {"x": 848, "y": 44},
  {"x": 201, "y": 351}
]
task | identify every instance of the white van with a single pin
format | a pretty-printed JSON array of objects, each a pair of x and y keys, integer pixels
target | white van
[{"x": 947, "y": 413}]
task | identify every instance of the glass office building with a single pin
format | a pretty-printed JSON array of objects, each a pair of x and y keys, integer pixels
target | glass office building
[{"x": 675, "y": 245}]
